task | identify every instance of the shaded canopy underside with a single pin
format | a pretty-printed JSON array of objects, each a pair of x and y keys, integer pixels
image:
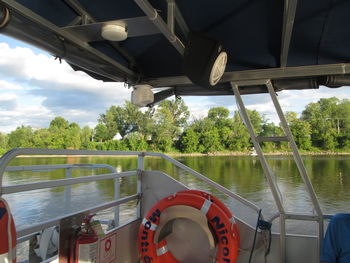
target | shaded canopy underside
[{"x": 258, "y": 35}]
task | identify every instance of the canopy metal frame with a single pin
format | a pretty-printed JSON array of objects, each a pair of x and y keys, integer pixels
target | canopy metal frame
[
  {"x": 272, "y": 73},
  {"x": 269, "y": 174},
  {"x": 290, "y": 7},
  {"x": 86, "y": 18},
  {"x": 166, "y": 29}
]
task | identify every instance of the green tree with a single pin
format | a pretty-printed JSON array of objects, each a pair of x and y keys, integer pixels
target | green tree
[
  {"x": 322, "y": 117},
  {"x": 170, "y": 118},
  {"x": 135, "y": 142},
  {"x": 300, "y": 129},
  {"x": 21, "y": 137},
  {"x": 343, "y": 124},
  {"x": 125, "y": 120},
  {"x": 58, "y": 123},
  {"x": 86, "y": 137},
  {"x": 100, "y": 133},
  {"x": 3, "y": 141},
  {"x": 269, "y": 129},
  {"x": 240, "y": 139},
  {"x": 220, "y": 117},
  {"x": 42, "y": 138},
  {"x": 189, "y": 141},
  {"x": 210, "y": 140},
  {"x": 58, "y": 132},
  {"x": 72, "y": 136}
]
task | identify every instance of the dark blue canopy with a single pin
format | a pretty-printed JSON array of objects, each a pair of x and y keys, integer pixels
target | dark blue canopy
[{"x": 257, "y": 35}]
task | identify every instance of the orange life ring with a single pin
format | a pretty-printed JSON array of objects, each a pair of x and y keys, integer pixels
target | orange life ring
[
  {"x": 7, "y": 234},
  {"x": 221, "y": 205},
  {"x": 220, "y": 221}
]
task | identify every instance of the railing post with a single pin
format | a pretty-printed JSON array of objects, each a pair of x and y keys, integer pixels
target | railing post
[
  {"x": 140, "y": 169},
  {"x": 116, "y": 197},
  {"x": 283, "y": 237},
  {"x": 68, "y": 191}
]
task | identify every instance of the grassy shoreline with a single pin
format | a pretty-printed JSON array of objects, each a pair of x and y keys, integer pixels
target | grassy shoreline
[{"x": 174, "y": 154}]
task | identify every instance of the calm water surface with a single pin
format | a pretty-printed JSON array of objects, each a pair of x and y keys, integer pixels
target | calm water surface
[{"x": 330, "y": 176}]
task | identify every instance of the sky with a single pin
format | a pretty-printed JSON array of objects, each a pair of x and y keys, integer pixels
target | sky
[{"x": 35, "y": 88}]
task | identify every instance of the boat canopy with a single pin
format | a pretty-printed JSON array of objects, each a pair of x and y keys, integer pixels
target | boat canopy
[{"x": 296, "y": 44}]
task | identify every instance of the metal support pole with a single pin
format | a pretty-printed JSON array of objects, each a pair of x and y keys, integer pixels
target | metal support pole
[
  {"x": 298, "y": 161},
  {"x": 283, "y": 237},
  {"x": 68, "y": 192},
  {"x": 170, "y": 17},
  {"x": 296, "y": 155},
  {"x": 290, "y": 7},
  {"x": 266, "y": 168},
  {"x": 140, "y": 169}
]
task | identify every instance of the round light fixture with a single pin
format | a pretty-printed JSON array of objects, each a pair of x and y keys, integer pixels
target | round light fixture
[{"x": 114, "y": 32}]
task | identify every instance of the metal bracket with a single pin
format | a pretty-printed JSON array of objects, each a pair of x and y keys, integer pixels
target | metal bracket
[{"x": 161, "y": 25}]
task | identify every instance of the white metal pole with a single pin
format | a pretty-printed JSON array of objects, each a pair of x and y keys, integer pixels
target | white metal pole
[
  {"x": 140, "y": 169},
  {"x": 68, "y": 191}
]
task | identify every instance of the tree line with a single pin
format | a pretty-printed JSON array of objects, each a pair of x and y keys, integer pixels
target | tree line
[{"x": 322, "y": 126}]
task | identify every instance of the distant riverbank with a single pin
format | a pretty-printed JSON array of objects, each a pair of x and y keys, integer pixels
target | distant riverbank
[
  {"x": 250, "y": 154},
  {"x": 174, "y": 154},
  {"x": 223, "y": 153}
]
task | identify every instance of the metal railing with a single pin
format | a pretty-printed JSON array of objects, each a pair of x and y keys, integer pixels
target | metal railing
[{"x": 26, "y": 232}]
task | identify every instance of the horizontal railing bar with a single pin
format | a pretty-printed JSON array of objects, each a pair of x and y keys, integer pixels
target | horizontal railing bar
[
  {"x": 63, "y": 182},
  {"x": 208, "y": 181},
  {"x": 27, "y": 237},
  {"x": 272, "y": 139},
  {"x": 301, "y": 217},
  {"x": 54, "y": 222},
  {"x": 8, "y": 156},
  {"x": 254, "y": 82},
  {"x": 55, "y": 167}
]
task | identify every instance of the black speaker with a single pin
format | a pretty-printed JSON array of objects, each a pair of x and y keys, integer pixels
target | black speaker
[{"x": 204, "y": 58}]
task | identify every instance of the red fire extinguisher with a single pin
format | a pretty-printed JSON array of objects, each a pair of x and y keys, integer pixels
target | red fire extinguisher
[{"x": 85, "y": 247}]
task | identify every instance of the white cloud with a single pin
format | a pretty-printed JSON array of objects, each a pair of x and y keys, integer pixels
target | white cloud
[
  {"x": 8, "y": 101},
  {"x": 35, "y": 116},
  {"x": 34, "y": 88},
  {"x": 5, "y": 85},
  {"x": 7, "y": 96},
  {"x": 48, "y": 73}
]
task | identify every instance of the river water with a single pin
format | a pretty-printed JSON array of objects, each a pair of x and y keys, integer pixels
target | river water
[{"x": 330, "y": 176}]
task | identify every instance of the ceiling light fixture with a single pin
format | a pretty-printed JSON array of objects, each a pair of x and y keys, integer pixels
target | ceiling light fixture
[{"x": 114, "y": 32}]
